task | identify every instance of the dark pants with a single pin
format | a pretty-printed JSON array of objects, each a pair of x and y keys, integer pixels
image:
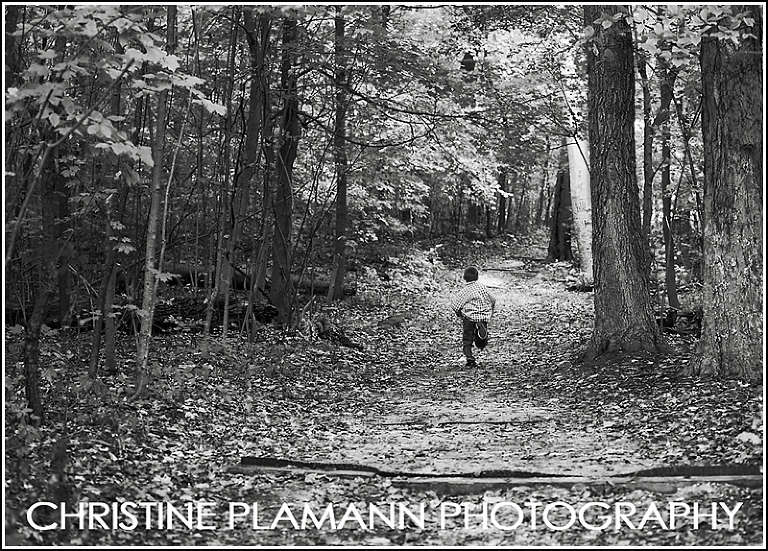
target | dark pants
[{"x": 469, "y": 336}]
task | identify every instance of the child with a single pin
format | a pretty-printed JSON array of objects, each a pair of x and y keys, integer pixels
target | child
[{"x": 475, "y": 306}]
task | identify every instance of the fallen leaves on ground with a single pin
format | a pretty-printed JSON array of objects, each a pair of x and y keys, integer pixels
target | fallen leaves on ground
[{"x": 403, "y": 402}]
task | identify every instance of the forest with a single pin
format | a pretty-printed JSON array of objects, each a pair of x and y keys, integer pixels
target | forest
[{"x": 232, "y": 234}]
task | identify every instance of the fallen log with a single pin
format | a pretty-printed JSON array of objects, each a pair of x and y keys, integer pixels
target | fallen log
[{"x": 318, "y": 286}]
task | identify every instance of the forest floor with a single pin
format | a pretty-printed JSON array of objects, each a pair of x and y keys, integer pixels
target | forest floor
[{"x": 254, "y": 435}]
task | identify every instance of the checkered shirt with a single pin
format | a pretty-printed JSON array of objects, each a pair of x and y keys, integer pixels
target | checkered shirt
[{"x": 474, "y": 302}]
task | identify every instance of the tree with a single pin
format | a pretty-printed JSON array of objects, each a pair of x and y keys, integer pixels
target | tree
[
  {"x": 151, "y": 273},
  {"x": 657, "y": 46},
  {"x": 560, "y": 224},
  {"x": 624, "y": 319},
  {"x": 12, "y": 53},
  {"x": 336, "y": 288},
  {"x": 281, "y": 291},
  {"x": 228, "y": 205},
  {"x": 731, "y": 343},
  {"x": 666, "y": 86},
  {"x": 257, "y": 33},
  {"x": 577, "y": 147},
  {"x": 49, "y": 106},
  {"x": 581, "y": 204}
]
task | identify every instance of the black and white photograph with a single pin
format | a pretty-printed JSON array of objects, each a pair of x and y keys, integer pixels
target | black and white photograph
[{"x": 383, "y": 275}]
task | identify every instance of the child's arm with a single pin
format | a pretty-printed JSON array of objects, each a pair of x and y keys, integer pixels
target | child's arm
[{"x": 457, "y": 304}]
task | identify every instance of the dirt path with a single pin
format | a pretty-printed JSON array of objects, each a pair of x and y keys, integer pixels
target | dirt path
[
  {"x": 404, "y": 404},
  {"x": 438, "y": 418},
  {"x": 423, "y": 414}
]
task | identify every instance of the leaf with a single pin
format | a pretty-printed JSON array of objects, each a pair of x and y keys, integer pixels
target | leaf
[
  {"x": 166, "y": 276},
  {"x": 211, "y": 107},
  {"x": 172, "y": 62},
  {"x": 145, "y": 154},
  {"x": 106, "y": 129},
  {"x": 155, "y": 55},
  {"x": 750, "y": 437},
  {"x": 117, "y": 148},
  {"x": 47, "y": 54},
  {"x": 91, "y": 29},
  {"x": 125, "y": 248}
]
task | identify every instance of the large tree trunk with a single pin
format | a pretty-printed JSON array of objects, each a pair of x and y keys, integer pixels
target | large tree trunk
[
  {"x": 258, "y": 127},
  {"x": 731, "y": 343},
  {"x": 336, "y": 290},
  {"x": 624, "y": 318},
  {"x": 581, "y": 204},
  {"x": 281, "y": 292}
]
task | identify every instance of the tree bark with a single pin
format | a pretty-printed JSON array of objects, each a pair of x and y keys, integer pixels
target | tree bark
[
  {"x": 470, "y": 228},
  {"x": 106, "y": 297},
  {"x": 234, "y": 197},
  {"x": 581, "y": 204},
  {"x": 624, "y": 318},
  {"x": 149, "y": 297},
  {"x": 560, "y": 221},
  {"x": 52, "y": 249},
  {"x": 666, "y": 84},
  {"x": 32, "y": 344},
  {"x": 47, "y": 258},
  {"x": 648, "y": 171},
  {"x": 731, "y": 342},
  {"x": 281, "y": 291},
  {"x": 61, "y": 223},
  {"x": 523, "y": 208},
  {"x": 267, "y": 198},
  {"x": 12, "y": 53},
  {"x": 258, "y": 36},
  {"x": 336, "y": 290}
]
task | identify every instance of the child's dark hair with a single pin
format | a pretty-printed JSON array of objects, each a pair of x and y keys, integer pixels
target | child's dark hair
[{"x": 470, "y": 274}]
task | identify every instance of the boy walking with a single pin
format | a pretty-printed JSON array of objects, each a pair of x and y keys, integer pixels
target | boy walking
[{"x": 475, "y": 305}]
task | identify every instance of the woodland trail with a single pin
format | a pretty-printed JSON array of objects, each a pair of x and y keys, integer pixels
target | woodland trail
[
  {"x": 437, "y": 418},
  {"x": 519, "y": 414},
  {"x": 295, "y": 421}
]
